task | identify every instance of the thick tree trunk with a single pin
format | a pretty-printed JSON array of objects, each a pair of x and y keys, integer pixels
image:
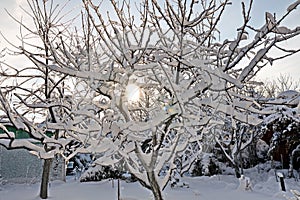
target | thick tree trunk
[
  {"x": 45, "y": 178},
  {"x": 154, "y": 186}
]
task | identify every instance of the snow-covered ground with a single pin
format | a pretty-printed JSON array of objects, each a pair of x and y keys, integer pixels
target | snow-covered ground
[{"x": 223, "y": 187}]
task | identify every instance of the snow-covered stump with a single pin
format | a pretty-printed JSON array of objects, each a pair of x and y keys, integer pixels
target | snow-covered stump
[{"x": 245, "y": 183}]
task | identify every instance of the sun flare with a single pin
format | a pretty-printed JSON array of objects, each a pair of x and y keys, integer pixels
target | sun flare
[{"x": 132, "y": 93}]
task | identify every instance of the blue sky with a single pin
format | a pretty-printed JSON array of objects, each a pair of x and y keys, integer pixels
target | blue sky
[
  {"x": 233, "y": 14},
  {"x": 230, "y": 21}
]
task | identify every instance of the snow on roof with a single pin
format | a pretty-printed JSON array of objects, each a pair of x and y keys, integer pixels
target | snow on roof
[
  {"x": 289, "y": 94},
  {"x": 291, "y": 97}
]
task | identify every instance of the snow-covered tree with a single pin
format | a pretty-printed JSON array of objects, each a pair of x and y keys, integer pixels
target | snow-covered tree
[
  {"x": 191, "y": 75},
  {"x": 280, "y": 117},
  {"x": 157, "y": 79},
  {"x": 32, "y": 96},
  {"x": 282, "y": 127},
  {"x": 272, "y": 88},
  {"x": 237, "y": 144}
]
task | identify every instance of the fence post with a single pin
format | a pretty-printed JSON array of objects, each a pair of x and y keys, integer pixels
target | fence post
[
  {"x": 119, "y": 195},
  {"x": 281, "y": 180}
]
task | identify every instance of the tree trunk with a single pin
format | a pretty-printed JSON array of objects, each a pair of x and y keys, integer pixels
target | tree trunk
[
  {"x": 154, "y": 186},
  {"x": 241, "y": 163},
  {"x": 236, "y": 165},
  {"x": 45, "y": 178},
  {"x": 64, "y": 170},
  {"x": 237, "y": 171}
]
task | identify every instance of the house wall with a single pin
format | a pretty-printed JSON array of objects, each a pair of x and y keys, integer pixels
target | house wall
[{"x": 19, "y": 165}]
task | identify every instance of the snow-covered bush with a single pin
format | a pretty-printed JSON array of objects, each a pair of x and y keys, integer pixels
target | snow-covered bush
[
  {"x": 176, "y": 181},
  {"x": 207, "y": 166},
  {"x": 262, "y": 149},
  {"x": 98, "y": 173},
  {"x": 197, "y": 168},
  {"x": 285, "y": 138}
]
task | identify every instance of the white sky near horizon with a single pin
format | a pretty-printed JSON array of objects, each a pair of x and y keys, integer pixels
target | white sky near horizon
[{"x": 231, "y": 20}]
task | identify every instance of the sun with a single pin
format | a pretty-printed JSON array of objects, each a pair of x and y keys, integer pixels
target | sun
[{"x": 132, "y": 93}]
